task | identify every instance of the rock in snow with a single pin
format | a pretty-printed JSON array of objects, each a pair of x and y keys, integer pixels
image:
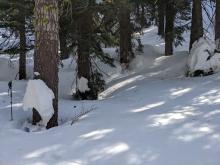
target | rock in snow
[{"x": 40, "y": 97}]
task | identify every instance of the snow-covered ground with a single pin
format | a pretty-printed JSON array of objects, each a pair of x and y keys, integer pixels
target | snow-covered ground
[{"x": 150, "y": 115}]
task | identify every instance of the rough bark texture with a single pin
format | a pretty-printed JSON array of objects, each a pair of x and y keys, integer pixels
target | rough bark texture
[
  {"x": 22, "y": 35},
  {"x": 197, "y": 24},
  {"x": 161, "y": 15},
  {"x": 125, "y": 36},
  {"x": 169, "y": 29},
  {"x": 46, "y": 50},
  {"x": 217, "y": 20}
]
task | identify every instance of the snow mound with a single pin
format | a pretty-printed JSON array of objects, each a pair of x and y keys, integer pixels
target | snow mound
[
  {"x": 82, "y": 84},
  {"x": 202, "y": 57},
  {"x": 40, "y": 97}
]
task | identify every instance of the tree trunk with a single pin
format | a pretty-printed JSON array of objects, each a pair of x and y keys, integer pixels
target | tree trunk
[
  {"x": 125, "y": 36},
  {"x": 138, "y": 10},
  {"x": 217, "y": 23},
  {"x": 143, "y": 22},
  {"x": 169, "y": 29},
  {"x": 161, "y": 14},
  {"x": 197, "y": 24},
  {"x": 64, "y": 53},
  {"x": 63, "y": 33},
  {"x": 84, "y": 43},
  {"x": 46, "y": 49},
  {"x": 22, "y": 35}
]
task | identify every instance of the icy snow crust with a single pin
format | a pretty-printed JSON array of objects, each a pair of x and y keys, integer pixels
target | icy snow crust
[{"x": 40, "y": 97}]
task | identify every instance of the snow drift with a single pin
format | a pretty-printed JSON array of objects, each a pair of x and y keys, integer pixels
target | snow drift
[
  {"x": 40, "y": 97},
  {"x": 202, "y": 58}
]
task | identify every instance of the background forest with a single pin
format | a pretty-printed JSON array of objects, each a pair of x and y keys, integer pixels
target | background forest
[{"x": 109, "y": 82}]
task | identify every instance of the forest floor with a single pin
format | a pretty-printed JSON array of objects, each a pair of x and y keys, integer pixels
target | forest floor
[{"x": 150, "y": 115}]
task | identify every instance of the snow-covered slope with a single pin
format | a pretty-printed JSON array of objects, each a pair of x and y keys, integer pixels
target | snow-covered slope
[{"x": 149, "y": 115}]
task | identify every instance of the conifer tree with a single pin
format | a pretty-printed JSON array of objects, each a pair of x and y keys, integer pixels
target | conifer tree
[
  {"x": 125, "y": 32},
  {"x": 46, "y": 50},
  {"x": 125, "y": 35},
  {"x": 197, "y": 22},
  {"x": 161, "y": 15},
  {"x": 169, "y": 28},
  {"x": 217, "y": 23},
  {"x": 15, "y": 18},
  {"x": 91, "y": 34},
  {"x": 84, "y": 38}
]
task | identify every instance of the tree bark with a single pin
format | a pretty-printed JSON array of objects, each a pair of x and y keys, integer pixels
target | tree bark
[
  {"x": 63, "y": 33},
  {"x": 161, "y": 15},
  {"x": 46, "y": 49},
  {"x": 64, "y": 53},
  {"x": 217, "y": 20},
  {"x": 197, "y": 24},
  {"x": 143, "y": 22},
  {"x": 125, "y": 36},
  {"x": 169, "y": 29},
  {"x": 84, "y": 43},
  {"x": 22, "y": 36}
]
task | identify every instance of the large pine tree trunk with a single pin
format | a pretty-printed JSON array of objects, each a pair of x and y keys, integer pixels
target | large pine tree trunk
[
  {"x": 22, "y": 35},
  {"x": 46, "y": 50},
  {"x": 169, "y": 29},
  {"x": 197, "y": 24},
  {"x": 217, "y": 23},
  {"x": 125, "y": 36},
  {"x": 161, "y": 15}
]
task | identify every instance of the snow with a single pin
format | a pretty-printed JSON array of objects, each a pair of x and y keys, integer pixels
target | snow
[
  {"x": 36, "y": 73},
  {"x": 82, "y": 84},
  {"x": 40, "y": 97},
  {"x": 9, "y": 67},
  {"x": 202, "y": 57},
  {"x": 151, "y": 115},
  {"x": 199, "y": 55}
]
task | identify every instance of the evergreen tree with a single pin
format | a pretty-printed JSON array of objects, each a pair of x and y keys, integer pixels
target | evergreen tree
[
  {"x": 85, "y": 30},
  {"x": 46, "y": 50},
  {"x": 169, "y": 28},
  {"x": 91, "y": 34},
  {"x": 67, "y": 28},
  {"x": 177, "y": 13},
  {"x": 22, "y": 36},
  {"x": 15, "y": 18},
  {"x": 125, "y": 33},
  {"x": 161, "y": 15},
  {"x": 197, "y": 22},
  {"x": 217, "y": 23}
]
